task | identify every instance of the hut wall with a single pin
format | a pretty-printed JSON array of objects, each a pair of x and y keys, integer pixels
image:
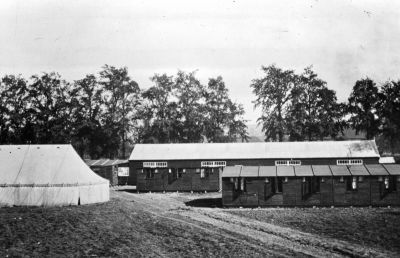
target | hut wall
[
  {"x": 341, "y": 197},
  {"x": 307, "y": 196},
  {"x": 249, "y": 198},
  {"x": 291, "y": 189},
  {"x": 134, "y": 165},
  {"x": 141, "y": 181},
  {"x": 227, "y": 192},
  {"x": 326, "y": 191},
  {"x": 157, "y": 183},
  {"x": 209, "y": 183},
  {"x": 230, "y": 196},
  {"x": 266, "y": 197},
  {"x": 187, "y": 181},
  {"x": 380, "y": 196},
  {"x": 177, "y": 180},
  {"x": 362, "y": 196},
  {"x": 133, "y": 173}
]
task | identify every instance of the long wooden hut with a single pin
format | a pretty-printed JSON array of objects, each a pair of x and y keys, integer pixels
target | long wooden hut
[
  {"x": 198, "y": 167},
  {"x": 315, "y": 185}
]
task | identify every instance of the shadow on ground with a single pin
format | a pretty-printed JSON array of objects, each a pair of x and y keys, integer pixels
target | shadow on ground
[
  {"x": 126, "y": 190},
  {"x": 205, "y": 203}
]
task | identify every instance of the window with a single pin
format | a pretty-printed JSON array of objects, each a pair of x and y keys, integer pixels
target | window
[
  {"x": 239, "y": 184},
  {"x": 242, "y": 184},
  {"x": 149, "y": 173},
  {"x": 343, "y": 162},
  {"x": 213, "y": 164},
  {"x": 354, "y": 185},
  {"x": 155, "y": 164},
  {"x": 180, "y": 173},
  {"x": 351, "y": 183},
  {"x": 386, "y": 182},
  {"x": 236, "y": 183},
  {"x": 123, "y": 171},
  {"x": 202, "y": 173},
  {"x": 206, "y": 172},
  {"x": 287, "y": 162},
  {"x": 172, "y": 175},
  {"x": 275, "y": 184},
  {"x": 305, "y": 187},
  {"x": 389, "y": 183},
  {"x": 198, "y": 170}
]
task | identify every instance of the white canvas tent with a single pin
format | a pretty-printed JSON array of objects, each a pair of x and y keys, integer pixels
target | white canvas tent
[{"x": 47, "y": 175}]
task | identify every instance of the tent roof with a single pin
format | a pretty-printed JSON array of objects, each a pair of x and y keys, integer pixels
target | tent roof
[
  {"x": 44, "y": 165},
  {"x": 256, "y": 150}
]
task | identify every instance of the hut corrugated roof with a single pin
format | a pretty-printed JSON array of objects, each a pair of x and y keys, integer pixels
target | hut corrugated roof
[{"x": 259, "y": 150}]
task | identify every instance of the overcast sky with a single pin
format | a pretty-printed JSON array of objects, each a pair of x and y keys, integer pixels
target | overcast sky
[{"x": 343, "y": 40}]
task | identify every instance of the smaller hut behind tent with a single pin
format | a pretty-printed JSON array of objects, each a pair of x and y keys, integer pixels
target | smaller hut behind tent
[
  {"x": 47, "y": 175},
  {"x": 114, "y": 170}
]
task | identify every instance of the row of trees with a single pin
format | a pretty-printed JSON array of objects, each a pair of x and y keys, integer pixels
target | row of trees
[
  {"x": 101, "y": 115},
  {"x": 301, "y": 107}
]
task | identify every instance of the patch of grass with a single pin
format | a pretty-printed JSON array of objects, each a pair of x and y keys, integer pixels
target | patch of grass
[{"x": 377, "y": 227}]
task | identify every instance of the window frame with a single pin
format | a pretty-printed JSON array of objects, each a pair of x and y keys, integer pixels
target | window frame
[
  {"x": 155, "y": 164},
  {"x": 349, "y": 162},
  {"x": 150, "y": 173},
  {"x": 288, "y": 162},
  {"x": 352, "y": 183},
  {"x": 213, "y": 164}
]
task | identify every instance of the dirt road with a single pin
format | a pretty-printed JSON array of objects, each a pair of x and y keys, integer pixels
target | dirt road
[{"x": 267, "y": 239}]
